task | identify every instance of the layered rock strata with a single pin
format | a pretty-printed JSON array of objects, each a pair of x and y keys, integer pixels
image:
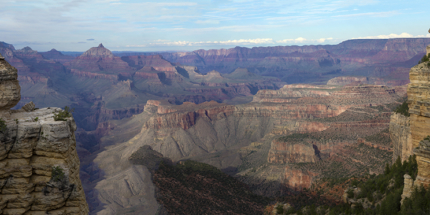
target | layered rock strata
[
  {"x": 400, "y": 134},
  {"x": 419, "y": 109},
  {"x": 39, "y": 165},
  {"x": 9, "y": 86}
]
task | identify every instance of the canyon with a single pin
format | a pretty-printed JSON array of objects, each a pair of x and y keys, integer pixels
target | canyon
[
  {"x": 284, "y": 140},
  {"x": 240, "y": 116},
  {"x": 388, "y": 59}
]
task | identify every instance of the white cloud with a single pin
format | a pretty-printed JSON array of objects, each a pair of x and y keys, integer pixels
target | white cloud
[
  {"x": 226, "y": 42},
  {"x": 321, "y": 40},
  {"x": 297, "y": 40},
  {"x": 390, "y": 36},
  {"x": 302, "y": 40}
]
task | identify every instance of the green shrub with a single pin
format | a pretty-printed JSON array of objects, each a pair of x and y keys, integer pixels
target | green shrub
[
  {"x": 36, "y": 119},
  {"x": 418, "y": 203},
  {"x": 350, "y": 193},
  {"x": 57, "y": 173},
  {"x": 391, "y": 203},
  {"x": 2, "y": 125},
  {"x": 403, "y": 109},
  {"x": 63, "y": 114},
  {"x": 280, "y": 209},
  {"x": 424, "y": 59}
]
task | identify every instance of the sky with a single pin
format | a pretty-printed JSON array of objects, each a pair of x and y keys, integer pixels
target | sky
[{"x": 167, "y": 25}]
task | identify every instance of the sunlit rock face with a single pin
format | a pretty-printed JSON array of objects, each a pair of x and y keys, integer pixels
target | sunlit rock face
[
  {"x": 419, "y": 109},
  {"x": 400, "y": 134}
]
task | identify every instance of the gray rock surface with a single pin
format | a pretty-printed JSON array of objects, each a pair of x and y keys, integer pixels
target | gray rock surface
[
  {"x": 10, "y": 91},
  {"x": 29, "y": 107},
  {"x": 30, "y": 147}
]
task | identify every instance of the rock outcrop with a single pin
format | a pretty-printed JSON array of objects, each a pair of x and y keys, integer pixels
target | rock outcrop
[
  {"x": 400, "y": 134},
  {"x": 9, "y": 85},
  {"x": 419, "y": 109},
  {"x": 39, "y": 165}
]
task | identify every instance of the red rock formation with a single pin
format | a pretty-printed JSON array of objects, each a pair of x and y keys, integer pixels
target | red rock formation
[
  {"x": 299, "y": 179},
  {"x": 346, "y": 57},
  {"x": 99, "y": 59},
  {"x": 155, "y": 61},
  {"x": 290, "y": 152}
]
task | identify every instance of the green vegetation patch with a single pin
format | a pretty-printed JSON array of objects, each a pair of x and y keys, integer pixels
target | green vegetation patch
[
  {"x": 58, "y": 173},
  {"x": 63, "y": 114},
  {"x": 390, "y": 184},
  {"x": 425, "y": 59},
  {"x": 2, "y": 125},
  {"x": 419, "y": 203},
  {"x": 403, "y": 109},
  {"x": 191, "y": 187}
]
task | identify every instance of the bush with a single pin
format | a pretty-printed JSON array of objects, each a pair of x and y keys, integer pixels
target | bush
[
  {"x": 393, "y": 192},
  {"x": 63, "y": 114},
  {"x": 2, "y": 125},
  {"x": 424, "y": 59},
  {"x": 280, "y": 209},
  {"x": 57, "y": 173},
  {"x": 350, "y": 193},
  {"x": 403, "y": 109}
]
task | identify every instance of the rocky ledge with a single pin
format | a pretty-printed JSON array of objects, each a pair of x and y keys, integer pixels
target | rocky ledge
[{"x": 39, "y": 165}]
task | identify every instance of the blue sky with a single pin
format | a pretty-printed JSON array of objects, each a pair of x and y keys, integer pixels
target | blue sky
[{"x": 131, "y": 25}]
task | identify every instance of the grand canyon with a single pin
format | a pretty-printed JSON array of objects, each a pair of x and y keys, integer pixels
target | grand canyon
[{"x": 226, "y": 130}]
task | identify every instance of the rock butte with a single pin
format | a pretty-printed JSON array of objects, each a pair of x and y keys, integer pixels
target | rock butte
[{"x": 30, "y": 146}]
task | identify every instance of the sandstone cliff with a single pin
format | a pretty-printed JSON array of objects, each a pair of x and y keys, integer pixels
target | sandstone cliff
[
  {"x": 419, "y": 109},
  {"x": 39, "y": 165},
  {"x": 400, "y": 133}
]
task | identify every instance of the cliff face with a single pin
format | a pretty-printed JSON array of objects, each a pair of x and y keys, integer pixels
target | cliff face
[
  {"x": 389, "y": 60},
  {"x": 400, "y": 134},
  {"x": 9, "y": 86},
  {"x": 419, "y": 109},
  {"x": 39, "y": 165}
]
